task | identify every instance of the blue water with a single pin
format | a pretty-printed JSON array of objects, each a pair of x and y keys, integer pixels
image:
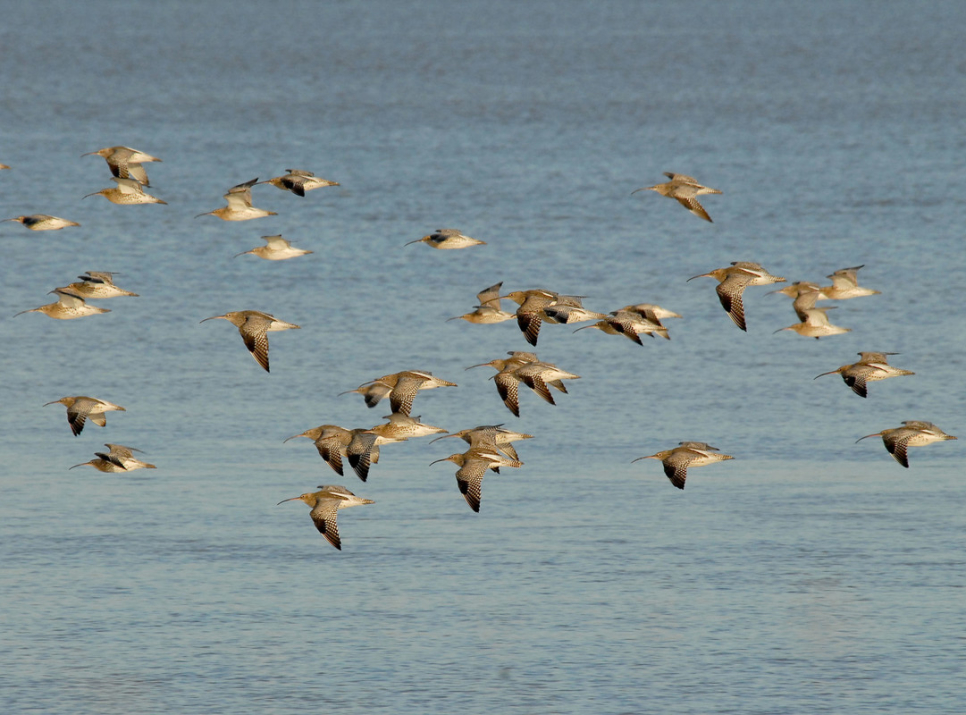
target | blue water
[{"x": 809, "y": 575}]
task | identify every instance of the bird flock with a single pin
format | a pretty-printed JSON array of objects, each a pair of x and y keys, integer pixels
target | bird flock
[{"x": 490, "y": 447}]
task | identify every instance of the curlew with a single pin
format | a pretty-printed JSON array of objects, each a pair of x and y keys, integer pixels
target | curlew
[
  {"x": 654, "y": 314},
  {"x": 632, "y": 321},
  {"x": 448, "y": 239},
  {"x": 254, "y": 326},
  {"x": 652, "y": 311},
  {"x": 490, "y": 437},
  {"x": 793, "y": 290},
  {"x": 276, "y": 248},
  {"x": 118, "y": 459},
  {"x": 372, "y": 392},
  {"x": 239, "y": 206},
  {"x": 98, "y": 285},
  {"x": 532, "y": 311},
  {"x": 298, "y": 182},
  {"x": 472, "y": 467},
  {"x": 404, "y": 385},
  {"x": 489, "y": 310},
  {"x": 732, "y": 281},
  {"x": 43, "y": 222},
  {"x": 401, "y": 427},
  {"x": 125, "y": 162},
  {"x": 127, "y": 192},
  {"x": 325, "y": 506},
  {"x": 630, "y": 324},
  {"x": 515, "y": 360},
  {"x": 570, "y": 314},
  {"x": 536, "y": 375},
  {"x": 845, "y": 285},
  {"x": 362, "y": 451},
  {"x": 687, "y": 454},
  {"x": 815, "y": 324},
  {"x": 334, "y": 442},
  {"x": 69, "y": 305},
  {"x": 804, "y": 302},
  {"x": 82, "y": 407},
  {"x": 685, "y": 189},
  {"x": 913, "y": 433},
  {"x": 872, "y": 366},
  {"x": 506, "y": 384}
]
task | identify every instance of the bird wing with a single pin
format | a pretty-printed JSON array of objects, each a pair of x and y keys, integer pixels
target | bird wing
[
  {"x": 276, "y": 242},
  {"x": 324, "y": 515},
  {"x": 676, "y": 467},
  {"x": 100, "y": 277},
  {"x": 77, "y": 415},
  {"x": 856, "y": 379},
  {"x": 816, "y": 316},
  {"x": 534, "y": 380},
  {"x": 529, "y": 323},
  {"x": 897, "y": 444},
  {"x": 875, "y": 357},
  {"x": 121, "y": 452},
  {"x": 360, "y": 453},
  {"x": 681, "y": 178},
  {"x": 509, "y": 450},
  {"x": 239, "y": 201},
  {"x": 375, "y": 393},
  {"x": 402, "y": 395},
  {"x": 729, "y": 293},
  {"x": 256, "y": 340},
  {"x": 117, "y": 165},
  {"x": 330, "y": 449},
  {"x": 508, "y": 387},
  {"x": 692, "y": 205},
  {"x": 805, "y": 301},
  {"x": 469, "y": 479},
  {"x": 490, "y": 297},
  {"x": 846, "y": 278},
  {"x": 295, "y": 183},
  {"x": 240, "y": 196},
  {"x": 135, "y": 171},
  {"x": 111, "y": 458},
  {"x": 69, "y": 299},
  {"x": 130, "y": 187},
  {"x": 625, "y": 325}
]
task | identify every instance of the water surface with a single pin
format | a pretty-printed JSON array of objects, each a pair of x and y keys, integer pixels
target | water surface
[{"x": 810, "y": 574}]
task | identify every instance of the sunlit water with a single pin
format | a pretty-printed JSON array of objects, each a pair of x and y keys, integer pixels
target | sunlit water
[{"x": 810, "y": 574}]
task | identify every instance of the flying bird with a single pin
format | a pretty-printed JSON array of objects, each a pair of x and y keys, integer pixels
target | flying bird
[
  {"x": 732, "y": 281},
  {"x": 325, "y": 505},
  {"x": 687, "y": 454},
  {"x": 254, "y": 326},
  {"x": 913, "y": 433},
  {"x": 685, "y": 189}
]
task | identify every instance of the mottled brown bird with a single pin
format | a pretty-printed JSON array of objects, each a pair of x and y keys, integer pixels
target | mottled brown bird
[
  {"x": 913, "y": 433},
  {"x": 732, "y": 281},
  {"x": 254, "y": 326},
  {"x": 82, "y": 407},
  {"x": 298, "y": 182},
  {"x": 685, "y": 189},
  {"x": 325, "y": 505},
  {"x": 872, "y": 366},
  {"x": 687, "y": 454}
]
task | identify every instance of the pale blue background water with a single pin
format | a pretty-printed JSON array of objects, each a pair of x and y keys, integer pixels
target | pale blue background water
[{"x": 811, "y": 574}]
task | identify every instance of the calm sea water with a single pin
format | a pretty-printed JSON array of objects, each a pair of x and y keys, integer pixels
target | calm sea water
[{"x": 809, "y": 575}]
